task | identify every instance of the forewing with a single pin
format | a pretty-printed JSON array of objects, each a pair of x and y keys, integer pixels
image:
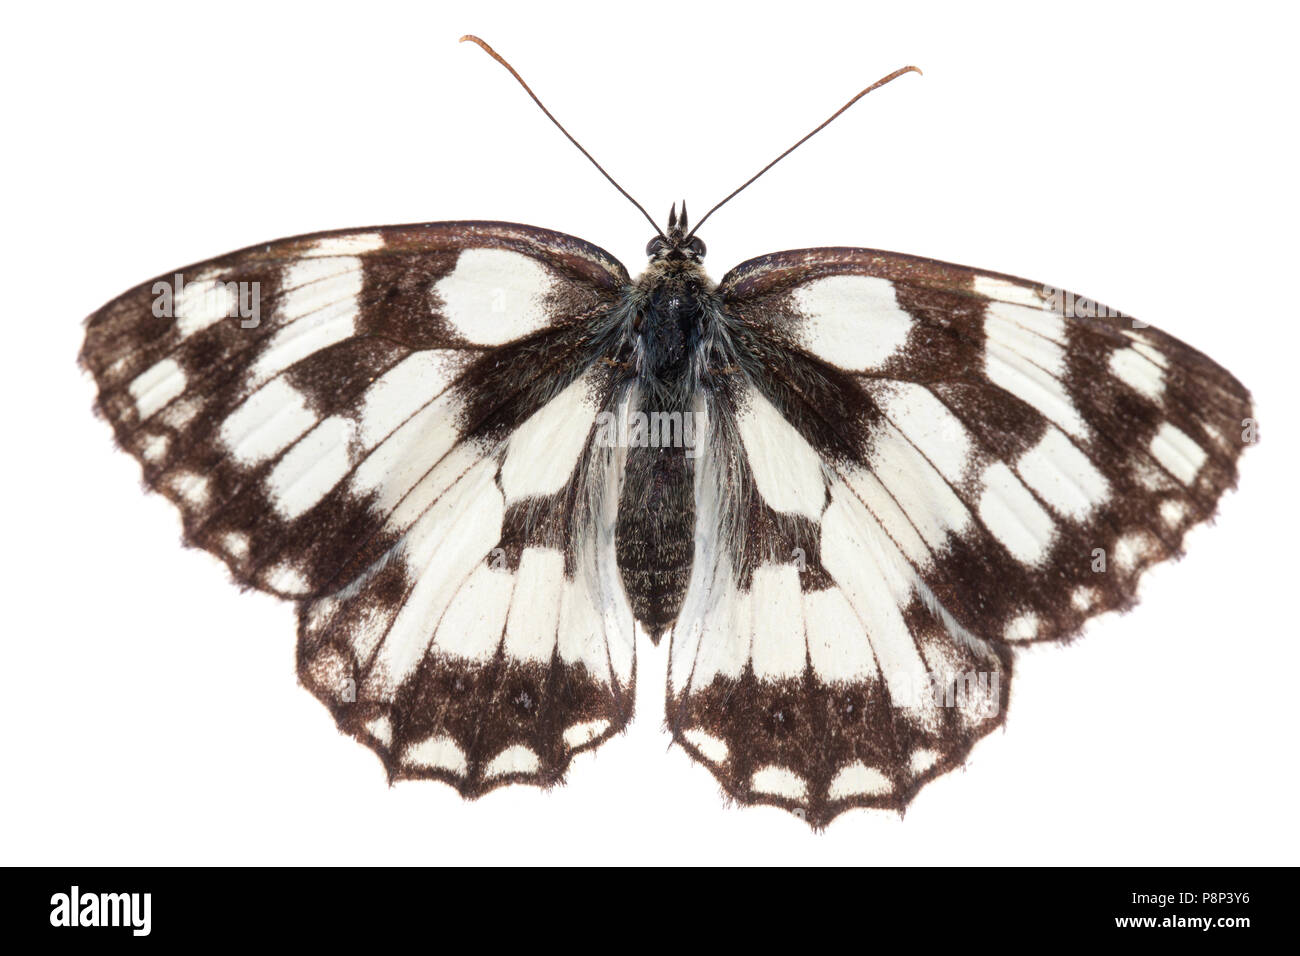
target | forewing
[
  {"x": 393, "y": 427},
  {"x": 974, "y": 460}
]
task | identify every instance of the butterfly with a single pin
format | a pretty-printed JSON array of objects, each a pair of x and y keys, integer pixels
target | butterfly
[{"x": 844, "y": 483}]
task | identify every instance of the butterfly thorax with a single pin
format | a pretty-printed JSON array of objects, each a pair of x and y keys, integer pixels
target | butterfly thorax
[{"x": 674, "y": 316}]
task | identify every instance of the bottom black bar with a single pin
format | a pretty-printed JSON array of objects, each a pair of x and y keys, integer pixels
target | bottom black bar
[{"x": 338, "y": 907}]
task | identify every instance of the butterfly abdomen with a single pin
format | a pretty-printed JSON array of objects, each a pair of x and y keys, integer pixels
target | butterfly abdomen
[{"x": 655, "y": 534}]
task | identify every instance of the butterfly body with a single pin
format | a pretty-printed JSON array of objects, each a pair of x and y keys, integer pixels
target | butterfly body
[{"x": 673, "y": 311}]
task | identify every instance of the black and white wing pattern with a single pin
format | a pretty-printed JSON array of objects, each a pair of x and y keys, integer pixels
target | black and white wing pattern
[
  {"x": 915, "y": 467},
  {"x": 392, "y": 427}
]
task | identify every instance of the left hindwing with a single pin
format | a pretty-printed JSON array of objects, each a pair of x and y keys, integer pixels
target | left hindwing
[{"x": 926, "y": 463}]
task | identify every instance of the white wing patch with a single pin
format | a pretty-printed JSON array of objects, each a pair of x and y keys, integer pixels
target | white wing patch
[
  {"x": 872, "y": 576},
  {"x": 786, "y": 469},
  {"x": 857, "y": 779},
  {"x": 1137, "y": 370},
  {"x": 442, "y": 549},
  {"x": 403, "y": 391},
  {"x": 779, "y": 649},
  {"x": 312, "y": 468},
  {"x": 355, "y": 244},
  {"x": 1176, "y": 451},
  {"x": 780, "y": 782},
  {"x": 535, "y": 607},
  {"x": 1063, "y": 476},
  {"x": 267, "y": 422},
  {"x": 710, "y": 746},
  {"x": 472, "y": 627},
  {"x": 156, "y": 386},
  {"x": 582, "y": 628},
  {"x": 318, "y": 307},
  {"x": 1033, "y": 318},
  {"x": 201, "y": 303},
  {"x": 1015, "y": 293},
  {"x": 928, "y": 424},
  {"x": 544, "y": 450},
  {"x": 494, "y": 296},
  {"x": 418, "y": 461},
  {"x": 516, "y": 759},
  {"x": 714, "y": 633},
  {"x": 852, "y": 321},
  {"x": 927, "y": 501},
  {"x": 838, "y": 647},
  {"x": 579, "y": 735},
  {"x": 1026, "y": 359},
  {"x": 1011, "y": 514},
  {"x": 438, "y": 752}
]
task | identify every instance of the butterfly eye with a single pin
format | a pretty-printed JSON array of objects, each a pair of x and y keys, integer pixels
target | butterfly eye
[
  {"x": 697, "y": 247},
  {"x": 655, "y": 246}
]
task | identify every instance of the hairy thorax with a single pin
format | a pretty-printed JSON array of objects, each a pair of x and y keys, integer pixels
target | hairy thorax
[{"x": 674, "y": 314}]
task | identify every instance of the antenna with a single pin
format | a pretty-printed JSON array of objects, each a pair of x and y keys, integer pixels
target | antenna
[
  {"x": 876, "y": 85},
  {"x": 513, "y": 72}
]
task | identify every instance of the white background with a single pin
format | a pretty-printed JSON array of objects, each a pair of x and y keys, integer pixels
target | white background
[{"x": 1138, "y": 154}]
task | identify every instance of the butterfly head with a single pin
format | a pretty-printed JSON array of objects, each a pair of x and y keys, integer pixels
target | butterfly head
[{"x": 678, "y": 244}]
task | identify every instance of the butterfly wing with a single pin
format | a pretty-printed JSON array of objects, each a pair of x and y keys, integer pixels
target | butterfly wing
[
  {"x": 392, "y": 427},
  {"x": 917, "y": 466}
]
